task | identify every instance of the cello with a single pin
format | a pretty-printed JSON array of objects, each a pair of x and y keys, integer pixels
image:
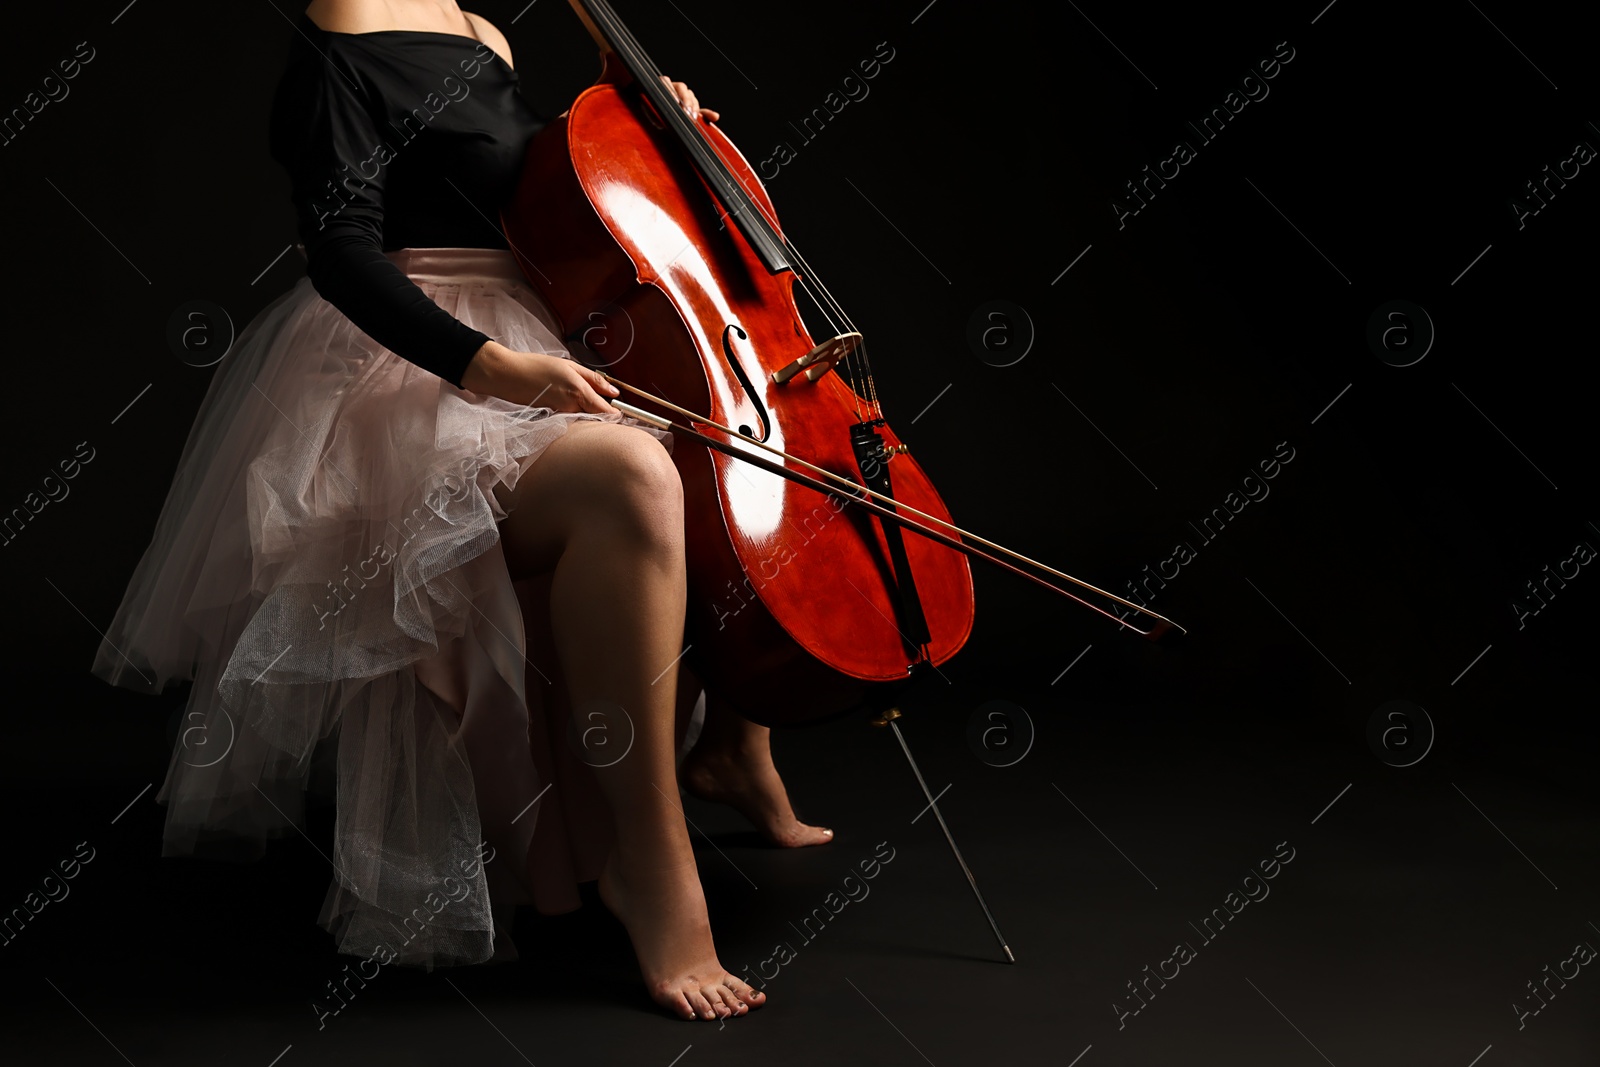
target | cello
[
  {"x": 654, "y": 243},
  {"x": 656, "y": 246}
]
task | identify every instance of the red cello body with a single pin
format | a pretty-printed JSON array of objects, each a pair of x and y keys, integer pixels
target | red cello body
[{"x": 792, "y": 594}]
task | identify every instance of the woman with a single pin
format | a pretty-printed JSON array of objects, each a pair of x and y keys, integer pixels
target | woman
[{"x": 389, "y": 462}]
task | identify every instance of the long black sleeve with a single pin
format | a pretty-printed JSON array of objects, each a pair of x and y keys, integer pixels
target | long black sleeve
[{"x": 326, "y": 123}]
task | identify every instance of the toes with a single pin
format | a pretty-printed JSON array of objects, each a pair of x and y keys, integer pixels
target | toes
[
  {"x": 803, "y": 836},
  {"x": 730, "y": 998},
  {"x": 745, "y": 992},
  {"x": 702, "y": 1006},
  {"x": 721, "y": 1000},
  {"x": 679, "y": 1004}
]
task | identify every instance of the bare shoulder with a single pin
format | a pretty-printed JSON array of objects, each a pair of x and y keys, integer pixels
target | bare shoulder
[
  {"x": 349, "y": 16},
  {"x": 491, "y": 36},
  {"x": 367, "y": 16}
]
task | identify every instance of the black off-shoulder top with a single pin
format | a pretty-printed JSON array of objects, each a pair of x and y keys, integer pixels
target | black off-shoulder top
[{"x": 397, "y": 139}]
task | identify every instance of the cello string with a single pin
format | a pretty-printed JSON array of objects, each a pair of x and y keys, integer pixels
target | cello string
[
  {"x": 857, "y": 369},
  {"x": 858, "y": 373},
  {"x": 707, "y": 161},
  {"x": 825, "y": 301}
]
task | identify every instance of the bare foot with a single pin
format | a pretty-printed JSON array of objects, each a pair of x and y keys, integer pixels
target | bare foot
[
  {"x": 664, "y": 912},
  {"x": 749, "y": 783}
]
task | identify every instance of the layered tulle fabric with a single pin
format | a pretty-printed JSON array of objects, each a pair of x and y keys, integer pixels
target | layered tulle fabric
[{"x": 327, "y": 570}]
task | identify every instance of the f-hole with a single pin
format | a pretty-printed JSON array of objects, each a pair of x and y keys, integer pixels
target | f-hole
[{"x": 744, "y": 382}]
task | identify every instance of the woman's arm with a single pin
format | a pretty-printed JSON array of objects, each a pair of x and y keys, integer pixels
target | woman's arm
[
  {"x": 325, "y": 124},
  {"x": 325, "y": 134}
]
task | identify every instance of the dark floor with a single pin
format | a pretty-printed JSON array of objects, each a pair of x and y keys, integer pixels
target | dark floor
[{"x": 1418, "y": 904}]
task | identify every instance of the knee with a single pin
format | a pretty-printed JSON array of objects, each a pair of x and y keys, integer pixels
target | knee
[{"x": 638, "y": 486}]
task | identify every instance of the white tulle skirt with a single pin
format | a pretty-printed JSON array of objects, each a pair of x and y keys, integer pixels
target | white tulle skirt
[{"x": 327, "y": 570}]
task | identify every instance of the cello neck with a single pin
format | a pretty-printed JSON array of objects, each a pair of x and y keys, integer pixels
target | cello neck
[{"x": 609, "y": 31}]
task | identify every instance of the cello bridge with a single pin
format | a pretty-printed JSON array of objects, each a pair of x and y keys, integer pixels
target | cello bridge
[{"x": 819, "y": 360}]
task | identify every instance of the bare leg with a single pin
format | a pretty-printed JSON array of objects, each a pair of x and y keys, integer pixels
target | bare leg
[
  {"x": 602, "y": 506},
  {"x": 731, "y": 763}
]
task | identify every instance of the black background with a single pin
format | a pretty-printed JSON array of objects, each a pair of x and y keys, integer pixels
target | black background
[{"x": 1229, "y": 315}]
